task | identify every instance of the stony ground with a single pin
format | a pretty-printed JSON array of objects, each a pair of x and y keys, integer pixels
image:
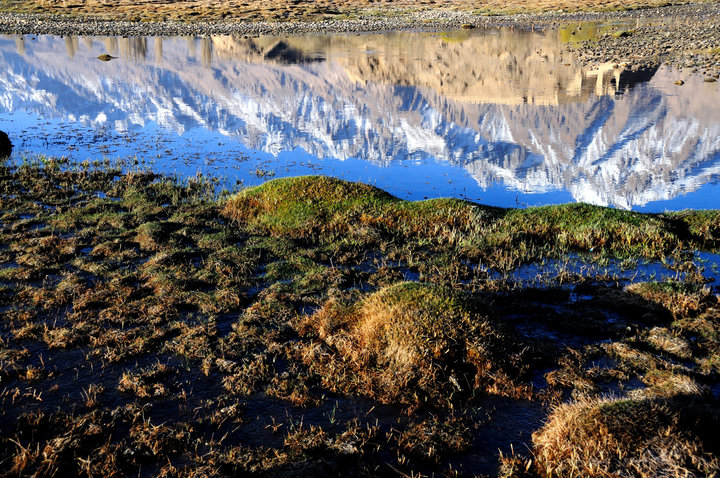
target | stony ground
[
  {"x": 691, "y": 42},
  {"x": 303, "y": 10},
  {"x": 685, "y": 35}
]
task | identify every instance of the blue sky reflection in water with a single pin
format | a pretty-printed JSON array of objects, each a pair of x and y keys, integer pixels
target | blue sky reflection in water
[{"x": 498, "y": 117}]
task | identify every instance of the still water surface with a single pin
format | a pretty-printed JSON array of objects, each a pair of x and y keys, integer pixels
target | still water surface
[{"x": 499, "y": 117}]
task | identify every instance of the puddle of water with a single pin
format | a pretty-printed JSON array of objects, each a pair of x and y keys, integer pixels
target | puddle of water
[
  {"x": 510, "y": 426},
  {"x": 539, "y": 274},
  {"x": 715, "y": 390},
  {"x": 500, "y": 117},
  {"x": 710, "y": 267}
]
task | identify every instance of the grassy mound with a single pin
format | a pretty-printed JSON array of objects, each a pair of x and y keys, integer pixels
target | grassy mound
[
  {"x": 306, "y": 203},
  {"x": 326, "y": 209},
  {"x": 311, "y": 206},
  {"x": 416, "y": 342},
  {"x": 703, "y": 226},
  {"x": 588, "y": 228},
  {"x": 660, "y": 437}
]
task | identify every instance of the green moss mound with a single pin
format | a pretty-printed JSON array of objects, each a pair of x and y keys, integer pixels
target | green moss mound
[
  {"x": 320, "y": 206},
  {"x": 306, "y": 203},
  {"x": 325, "y": 209},
  {"x": 590, "y": 228}
]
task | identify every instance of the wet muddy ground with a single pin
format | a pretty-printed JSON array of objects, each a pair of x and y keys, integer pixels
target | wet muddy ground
[{"x": 315, "y": 326}]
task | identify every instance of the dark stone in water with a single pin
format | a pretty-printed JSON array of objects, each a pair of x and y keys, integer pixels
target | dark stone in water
[
  {"x": 5, "y": 145},
  {"x": 284, "y": 53},
  {"x": 636, "y": 74}
]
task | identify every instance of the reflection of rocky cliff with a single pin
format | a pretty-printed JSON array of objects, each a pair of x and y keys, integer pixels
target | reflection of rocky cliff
[
  {"x": 545, "y": 129},
  {"x": 501, "y": 66}
]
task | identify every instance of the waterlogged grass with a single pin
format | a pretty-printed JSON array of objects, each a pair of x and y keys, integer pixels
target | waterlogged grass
[{"x": 315, "y": 326}]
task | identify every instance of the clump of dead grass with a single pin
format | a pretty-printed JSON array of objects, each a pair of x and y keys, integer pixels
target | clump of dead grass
[
  {"x": 431, "y": 441},
  {"x": 620, "y": 437},
  {"x": 682, "y": 299},
  {"x": 417, "y": 343},
  {"x": 145, "y": 383}
]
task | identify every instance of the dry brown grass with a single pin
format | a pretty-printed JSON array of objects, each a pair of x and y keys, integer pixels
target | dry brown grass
[
  {"x": 663, "y": 339},
  {"x": 682, "y": 299},
  {"x": 175, "y": 336},
  {"x": 612, "y": 437},
  {"x": 300, "y": 10},
  {"x": 416, "y": 342},
  {"x": 431, "y": 442},
  {"x": 145, "y": 383}
]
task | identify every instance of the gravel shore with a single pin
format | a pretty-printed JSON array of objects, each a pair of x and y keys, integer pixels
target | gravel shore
[
  {"x": 421, "y": 20},
  {"x": 680, "y": 35}
]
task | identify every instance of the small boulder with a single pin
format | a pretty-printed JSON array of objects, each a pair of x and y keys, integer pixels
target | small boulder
[{"x": 5, "y": 145}]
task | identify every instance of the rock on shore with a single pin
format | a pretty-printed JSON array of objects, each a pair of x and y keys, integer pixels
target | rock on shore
[{"x": 5, "y": 145}]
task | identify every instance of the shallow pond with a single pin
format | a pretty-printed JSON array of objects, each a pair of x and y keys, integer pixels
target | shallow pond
[{"x": 499, "y": 117}]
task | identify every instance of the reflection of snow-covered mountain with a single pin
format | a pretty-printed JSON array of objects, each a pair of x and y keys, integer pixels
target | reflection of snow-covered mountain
[
  {"x": 641, "y": 147},
  {"x": 538, "y": 126}
]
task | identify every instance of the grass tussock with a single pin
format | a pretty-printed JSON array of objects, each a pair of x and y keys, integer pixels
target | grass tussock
[
  {"x": 418, "y": 342},
  {"x": 618, "y": 437},
  {"x": 682, "y": 299}
]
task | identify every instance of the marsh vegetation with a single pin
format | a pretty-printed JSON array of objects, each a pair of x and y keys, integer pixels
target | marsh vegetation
[{"x": 315, "y": 326}]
